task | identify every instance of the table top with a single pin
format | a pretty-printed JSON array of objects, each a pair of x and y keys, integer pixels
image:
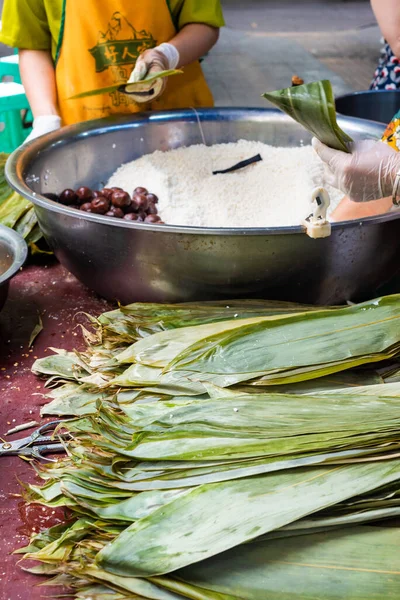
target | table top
[{"x": 48, "y": 290}]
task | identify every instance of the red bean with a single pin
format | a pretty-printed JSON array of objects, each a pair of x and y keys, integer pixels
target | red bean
[
  {"x": 152, "y": 209},
  {"x": 107, "y": 193},
  {"x": 51, "y": 196},
  {"x": 120, "y": 199},
  {"x": 152, "y": 219},
  {"x": 140, "y": 190},
  {"x": 152, "y": 198},
  {"x": 68, "y": 197},
  {"x": 115, "y": 212},
  {"x": 141, "y": 202},
  {"x": 132, "y": 208},
  {"x": 86, "y": 206},
  {"x": 131, "y": 217},
  {"x": 100, "y": 205},
  {"x": 84, "y": 194}
]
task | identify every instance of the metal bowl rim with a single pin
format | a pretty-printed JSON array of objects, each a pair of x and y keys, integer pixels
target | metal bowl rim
[
  {"x": 365, "y": 93},
  {"x": 19, "y": 248},
  {"x": 20, "y": 157}
]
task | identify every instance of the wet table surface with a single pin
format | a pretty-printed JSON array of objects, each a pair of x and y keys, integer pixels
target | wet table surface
[{"x": 47, "y": 290}]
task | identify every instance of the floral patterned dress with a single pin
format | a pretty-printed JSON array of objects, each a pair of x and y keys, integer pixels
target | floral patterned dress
[{"x": 387, "y": 74}]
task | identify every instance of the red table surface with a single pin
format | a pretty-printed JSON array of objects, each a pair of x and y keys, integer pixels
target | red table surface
[{"x": 49, "y": 290}]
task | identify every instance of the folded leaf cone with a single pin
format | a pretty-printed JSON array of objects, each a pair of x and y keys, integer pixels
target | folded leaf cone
[{"x": 313, "y": 106}]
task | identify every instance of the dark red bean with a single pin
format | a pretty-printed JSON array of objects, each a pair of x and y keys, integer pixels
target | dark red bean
[
  {"x": 152, "y": 209},
  {"x": 152, "y": 219},
  {"x": 140, "y": 190},
  {"x": 132, "y": 208},
  {"x": 116, "y": 189},
  {"x": 84, "y": 194},
  {"x": 68, "y": 197},
  {"x": 100, "y": 205},
  {"x": 107, "y": 193},
  {"x": 131, "y": 217},
  {"x": 50, "y": 196},
  {"x": 141, "y": 202},
  {"x": 115, "y": 212},
  {"x": 97, "y": 193},
  {"x": 120, "y": 199},
  {"x": 86, "y": 206},
  {"x": 152, "y": 198}
]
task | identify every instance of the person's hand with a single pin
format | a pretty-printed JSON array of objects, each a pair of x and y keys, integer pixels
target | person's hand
[
  {"x": 366, "y": 174},
  {"x": 43, "y": 125},
  {"x": 153, "y": 61}
]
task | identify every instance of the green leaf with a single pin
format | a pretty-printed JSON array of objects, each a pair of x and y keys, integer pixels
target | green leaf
[
  {"x": 348, "y": 564},
  {"x": 36, "y": 330},
  {"x": 198, "y": 525},
  {"x": 313, "y": 106},
  {"x": 12, "y": 209},
  {"x": 296, "y": 347},
  {"x": 140, "y": 86}
]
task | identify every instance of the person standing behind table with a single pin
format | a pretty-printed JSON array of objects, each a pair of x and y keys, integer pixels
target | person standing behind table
[
  {"x": 67, "y": 47},
  {"x": 387, "y": 74}
]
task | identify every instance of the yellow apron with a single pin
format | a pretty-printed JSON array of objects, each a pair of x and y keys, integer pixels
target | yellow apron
[{"x": 100, "y": 41}]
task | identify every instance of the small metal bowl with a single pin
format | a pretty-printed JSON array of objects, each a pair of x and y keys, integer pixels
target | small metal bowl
[{"x": 13, "y": 253}]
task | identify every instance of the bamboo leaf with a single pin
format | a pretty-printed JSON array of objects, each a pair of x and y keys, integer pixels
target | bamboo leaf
[
  {"x": 140, "y": 86},
  {"x": 197, "y": 525},
  {"x": 307, "y": 345},
  {"x": 354, "y": 564},
  {"x": 13, "y": 209},
  {"x": 36, "y": 330},
  {"x": 313, "y": 106}
]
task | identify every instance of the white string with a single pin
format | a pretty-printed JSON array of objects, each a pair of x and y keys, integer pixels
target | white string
[{"x": 200, "y": 126}]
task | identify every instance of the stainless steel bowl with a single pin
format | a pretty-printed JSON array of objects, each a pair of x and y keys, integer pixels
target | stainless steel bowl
[
  {"x": 13, "y": 252},
  {"x": 377, "y": 105},
  {"x": 136, "y": 262}
]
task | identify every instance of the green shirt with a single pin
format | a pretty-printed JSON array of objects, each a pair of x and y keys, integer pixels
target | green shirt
[{"x": 36, "y": 24}]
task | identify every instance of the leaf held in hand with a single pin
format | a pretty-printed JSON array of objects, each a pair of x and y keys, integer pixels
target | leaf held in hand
[
  {"x": 313, "y": 106},
  {"x": 139, "y": 86}
]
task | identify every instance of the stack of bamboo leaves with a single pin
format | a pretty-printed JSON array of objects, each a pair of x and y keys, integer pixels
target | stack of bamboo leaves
[
  {"x": 16, "y": 212},
  {"x": 248, "y": 451}
]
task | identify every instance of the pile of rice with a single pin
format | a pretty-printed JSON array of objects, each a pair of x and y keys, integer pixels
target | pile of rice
[{"x": 274, "y": 192}]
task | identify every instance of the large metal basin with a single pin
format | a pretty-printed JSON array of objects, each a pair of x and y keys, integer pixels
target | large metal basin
[{"x": 129, "y": 262}]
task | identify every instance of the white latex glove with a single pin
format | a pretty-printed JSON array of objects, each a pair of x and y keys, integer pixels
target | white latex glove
[
  {"x": 43, "y": 125},
  {"x": 161, "y": 58},
  {"x": 368, "y": 173}
]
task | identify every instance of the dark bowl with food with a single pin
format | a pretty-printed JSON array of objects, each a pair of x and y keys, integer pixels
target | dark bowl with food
[
  {"x": 374, "y": 105},
  {"x": 13, "y": 253}
]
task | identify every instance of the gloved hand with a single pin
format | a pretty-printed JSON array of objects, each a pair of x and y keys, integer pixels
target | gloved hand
[
  {"x": 161, "y": 58},
  {"x": 368, "y": 173},
  {"x": 43, "y": 125}
]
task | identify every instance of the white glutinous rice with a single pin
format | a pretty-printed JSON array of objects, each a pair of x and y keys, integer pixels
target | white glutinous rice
[{"x": 270, "y": 193}]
